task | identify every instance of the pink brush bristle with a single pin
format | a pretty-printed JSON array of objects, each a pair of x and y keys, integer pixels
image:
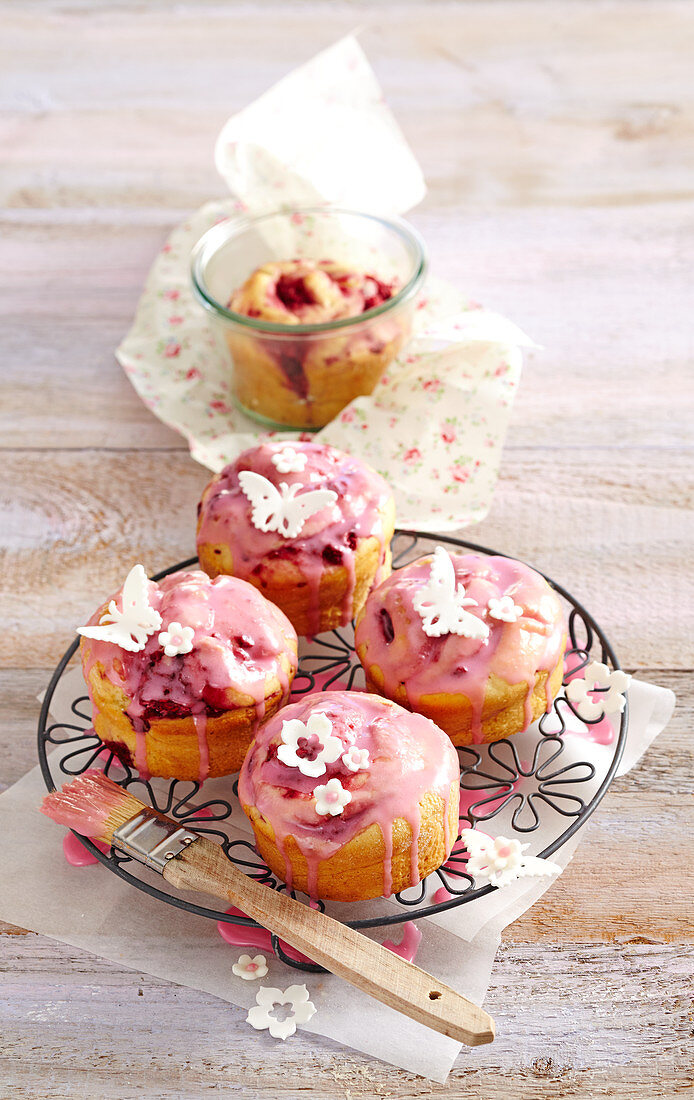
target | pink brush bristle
[{"x": 92, "y": 804}]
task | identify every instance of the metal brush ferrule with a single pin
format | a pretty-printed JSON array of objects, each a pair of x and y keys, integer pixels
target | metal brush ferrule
[{"x": 152, "y": 839}]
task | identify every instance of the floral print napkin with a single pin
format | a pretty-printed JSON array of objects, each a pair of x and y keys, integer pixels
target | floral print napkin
[{"x": 434, "y": 427}]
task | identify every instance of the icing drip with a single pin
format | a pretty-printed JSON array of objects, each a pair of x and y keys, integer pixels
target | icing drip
[
  {"x": 408, "y": 757},
  {"x": 409, "y": 944},
  {"x": 327, "y": 539},
  {"x": 238, "y": 641},
  {"x": 389, "y": 635},
  {"x": 241, "y": 935},
  {"x": 76, "y": 854},
  {"x": 200, "y": 721}
]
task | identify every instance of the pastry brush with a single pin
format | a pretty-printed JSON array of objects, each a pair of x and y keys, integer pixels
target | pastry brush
[{"x": 95, "y": 806}]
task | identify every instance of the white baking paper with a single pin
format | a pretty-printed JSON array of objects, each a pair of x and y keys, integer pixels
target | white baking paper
[{"x": 90, "y": 908}]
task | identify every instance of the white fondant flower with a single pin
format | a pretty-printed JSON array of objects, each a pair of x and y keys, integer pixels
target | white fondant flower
[
  {"x": 289, "y": 461},
  {"x": 441, "y": 603},
  {"x": 309, "y": 747},
  {"x": 356, "y": 760},
  {"x": 268, "y": 998},
  {"x": 131, "y": 627},
  {"x": 500, "y": 861},
  {"x": 504, "y": 609},
  {"x": 281, "y": 509},
  {"x": 332, "y": 798},
  {"x": 609, "y": 686},
  {"x": 176, "y": 639},
  {"x": 250, "y": 968}
]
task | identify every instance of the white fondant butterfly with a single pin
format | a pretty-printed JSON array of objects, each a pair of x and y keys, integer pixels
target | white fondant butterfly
[
  {"x": 281, "y": 509},
  {"x": 441, "y": 603},
  {"x": 131, "y": 627},
  {"x": 500, "y": 861}
]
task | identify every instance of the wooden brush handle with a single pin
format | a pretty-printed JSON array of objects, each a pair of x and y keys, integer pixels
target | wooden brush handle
[{"x": 359, "y": 960}]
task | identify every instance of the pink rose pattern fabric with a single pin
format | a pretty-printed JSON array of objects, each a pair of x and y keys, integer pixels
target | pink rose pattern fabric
[{"x": 434, "y": 426}]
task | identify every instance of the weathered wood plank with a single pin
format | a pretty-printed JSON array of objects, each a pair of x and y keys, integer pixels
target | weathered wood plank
[
  {"x": 503, "y": 106},
  {"x": 589, "y": 519},
  {"x": 632, "y": 1001},
  {"x": 552, "y": 272}
]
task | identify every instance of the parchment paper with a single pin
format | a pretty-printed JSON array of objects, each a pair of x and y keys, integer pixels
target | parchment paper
[{"x": 92, "y": 909}]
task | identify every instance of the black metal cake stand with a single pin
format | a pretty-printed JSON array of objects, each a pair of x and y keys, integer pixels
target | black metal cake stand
[{"x": 493, "y": 771}]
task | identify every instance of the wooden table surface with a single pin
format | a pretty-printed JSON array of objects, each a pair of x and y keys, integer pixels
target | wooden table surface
[{"x": 558, "y": 142}]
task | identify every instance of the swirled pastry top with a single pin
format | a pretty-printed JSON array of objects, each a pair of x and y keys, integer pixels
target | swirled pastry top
[
  {"x": 308, "y": 292},
  {"x": 237, "y": 642},
  {"x": 325, "y": 537},
  {"x": 399, "y": 756}
]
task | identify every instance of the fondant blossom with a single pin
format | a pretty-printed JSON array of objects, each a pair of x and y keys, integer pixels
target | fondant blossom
[
  {"x": 131, "y": 627},
  {"x": 289, "y": 461},
  {"x": 504, "y": 609},
  {"x": 309, "y": 746},
  {"x": 441, "y": 603},
  {"x": 331, "y": 798},
  {"x": 498, "y": 860},
  {"x": 609, "y": 687},
  {"x": 268, "y": 998},
  {"x": 281, "y": 510},
  {"x": 250, "y": 968},
  {"x": 356, "y": 760},
  {"x": 176, "y": 639}
]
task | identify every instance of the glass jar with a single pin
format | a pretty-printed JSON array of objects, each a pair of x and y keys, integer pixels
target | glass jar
[{"x": 302, "y": 375}]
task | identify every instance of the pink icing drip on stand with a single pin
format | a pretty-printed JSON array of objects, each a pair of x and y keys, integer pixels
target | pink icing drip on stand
[
  {"x": 409, "y": 944},
  {"x": 240, "y": 935},
  {"x": 77, "y": 855},
  {"x": 602, "y": 732},
  {"x": 200, "y": 721}
]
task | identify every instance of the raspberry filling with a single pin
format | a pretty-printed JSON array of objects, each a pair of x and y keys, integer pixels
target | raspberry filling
[
  {"x": 293, "y": 293},
  {"x": 313, "y": 292}
]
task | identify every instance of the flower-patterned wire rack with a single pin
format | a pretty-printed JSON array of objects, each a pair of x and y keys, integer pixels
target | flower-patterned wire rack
[{"x": 493, "y": 771}]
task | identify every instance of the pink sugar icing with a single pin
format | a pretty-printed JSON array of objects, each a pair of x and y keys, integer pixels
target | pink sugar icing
[
  {"x": 239, "y": 637},
  {"x": 328, "y": 538},
  {"x": 241, "y": 935},
  {"x": 390, "y": 635},
  {"x": 76, "y": 854},
  {"x": 409, "y": 756}
]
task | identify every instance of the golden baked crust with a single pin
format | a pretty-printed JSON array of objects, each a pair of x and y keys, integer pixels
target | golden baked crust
[
  {"x": 503, "y": 709},
  {"x": 357, "y": 871},
  {"x": 321, "y": 575},
  {"x": 336, "y": 369},
  {"x": 185, "y": 701},
  {"x": 303, "y": 380},
  {"x": 172, "y": 745},
  {"x": 489, "y": 678},
  {"x": 283, "y": 583}
]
